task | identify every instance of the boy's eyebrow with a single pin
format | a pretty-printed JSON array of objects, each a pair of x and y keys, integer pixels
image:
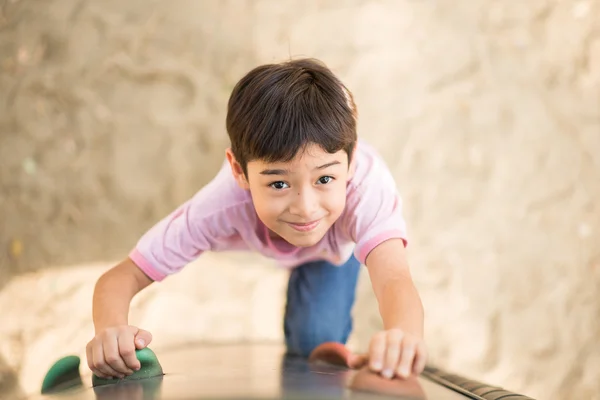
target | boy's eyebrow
[
  {"x": 274, "y": 172},
  {"x": 285, "y": 171},
  {"x": 328, "y": 165}
]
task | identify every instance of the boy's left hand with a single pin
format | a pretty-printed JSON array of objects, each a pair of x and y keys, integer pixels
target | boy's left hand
[{"x": 396, "y": 353}]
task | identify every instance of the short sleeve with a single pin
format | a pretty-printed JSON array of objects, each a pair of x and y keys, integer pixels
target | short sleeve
[
  {"x": 374, "y": 212},
  {"x": 198, "y": 225},
  {"x": 170, "y": 244}
]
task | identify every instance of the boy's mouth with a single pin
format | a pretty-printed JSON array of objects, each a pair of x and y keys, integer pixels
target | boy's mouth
[{"x": 304, "y": 227}]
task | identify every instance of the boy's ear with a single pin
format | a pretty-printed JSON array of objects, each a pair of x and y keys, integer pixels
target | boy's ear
[{"x": 236, "y": 170}]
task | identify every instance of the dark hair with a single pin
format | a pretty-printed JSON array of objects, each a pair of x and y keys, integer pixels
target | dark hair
[{"x": 276, "y": 110}]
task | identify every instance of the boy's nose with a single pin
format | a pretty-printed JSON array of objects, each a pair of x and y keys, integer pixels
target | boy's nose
[{"x": 304, "y": 205}]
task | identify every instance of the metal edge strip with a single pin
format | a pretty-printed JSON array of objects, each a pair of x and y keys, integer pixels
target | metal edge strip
[{"x": 450, "y": 380}]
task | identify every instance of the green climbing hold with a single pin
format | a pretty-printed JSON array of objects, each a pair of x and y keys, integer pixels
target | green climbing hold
[
  {"x": 150, "y": 367},
  {"x": 64, "y": 374}
]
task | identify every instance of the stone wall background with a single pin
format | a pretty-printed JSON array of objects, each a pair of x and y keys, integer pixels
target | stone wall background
[{"x": 488, "y": 114}]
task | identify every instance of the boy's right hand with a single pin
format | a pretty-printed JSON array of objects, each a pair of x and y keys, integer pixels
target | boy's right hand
[{"x": 111, "y": 353}]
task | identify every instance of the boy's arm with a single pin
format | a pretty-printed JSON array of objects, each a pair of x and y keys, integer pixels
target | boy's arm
[
  {"x": 399, "y": 349},
  {"x": 113, "y": 293},
  {"x": 112, "y": 350},
  {"x": 399, "y": 302},
  {"x": 167, "y": 247}
]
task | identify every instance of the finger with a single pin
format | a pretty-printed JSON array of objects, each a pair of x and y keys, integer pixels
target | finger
[
  {"x": 90, "y": 361},
  {"x": 420, "y": 359},
  {"x": 142, "y": 338},
  {"x": 112, "y": 355},
  {"x": 101, "y": 375},
  {"x": 127, "y": 352},
  {"x": 100, "y": 363},
  {"x": 392, "y": 353},
  {"x": 89, "y": 356},
  {"x": 406, "y": 359},
  {"x": 377, "y": 351}
]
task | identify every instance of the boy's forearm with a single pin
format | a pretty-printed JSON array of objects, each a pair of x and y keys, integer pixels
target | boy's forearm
[
  {"x": 401, "y": 307},
  {"x": 113, "y": 294},
  {"x": 111, "y": 302}
]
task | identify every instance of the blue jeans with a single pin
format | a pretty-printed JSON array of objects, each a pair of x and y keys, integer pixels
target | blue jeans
[{"x": 319, "y": 302}]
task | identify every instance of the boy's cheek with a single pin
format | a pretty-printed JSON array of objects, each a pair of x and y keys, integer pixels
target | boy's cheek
[
  {"x": 265, "y": 213},
  {"x": 267, "y": 208},
  {"x": 337, "y": 203}
]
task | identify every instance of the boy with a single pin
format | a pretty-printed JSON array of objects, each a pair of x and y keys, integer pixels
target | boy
[{"x": 298, "y": 187}]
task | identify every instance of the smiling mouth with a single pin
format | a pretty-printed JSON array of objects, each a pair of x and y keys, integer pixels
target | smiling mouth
[{"x": 304, "y": 227}]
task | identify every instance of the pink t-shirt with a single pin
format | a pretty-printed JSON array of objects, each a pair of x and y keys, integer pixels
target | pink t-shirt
[{"x": 221, "y": 217}]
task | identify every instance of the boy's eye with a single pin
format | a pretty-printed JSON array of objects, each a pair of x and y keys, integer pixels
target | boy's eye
[
  {"x": 278, "y": 185},
  {"x": 324, "y": 180}
]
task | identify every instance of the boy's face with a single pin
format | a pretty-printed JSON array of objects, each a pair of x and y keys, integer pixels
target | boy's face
[{"x": 301, "y": 199}]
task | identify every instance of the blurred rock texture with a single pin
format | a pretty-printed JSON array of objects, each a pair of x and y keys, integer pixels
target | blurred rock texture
[{"x": 488, "y": 114}]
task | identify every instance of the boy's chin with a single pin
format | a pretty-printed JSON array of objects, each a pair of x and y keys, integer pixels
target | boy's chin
[{"x": 304, "y": 241}]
